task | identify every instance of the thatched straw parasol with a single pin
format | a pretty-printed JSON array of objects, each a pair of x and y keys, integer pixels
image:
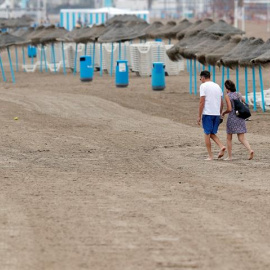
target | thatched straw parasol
[
  {"x": 53, "y": 35},
  {"x": 120, "y": 32},
  {"x": 264, "y": 58},
  {"x": 36, "y": 37},
  {"x": 222, "y": 28},
  {"x": 23, "y": 21},
  {"x": 204, "y": 40},
  {"x": 245, "y": 46},
  {"x": 227, "y": 44},
  {"x": 171, "y": 33},
  {"x": 159, "y": 33},
  {"x": 258, "y": 50},
  {"x": 174, "y": 53},
  {"x": 197, "y": 26},
  {"x": 7, "y": 40},
  {"x": 152, "y": 28},
  {"x": 124, "y": 18}
]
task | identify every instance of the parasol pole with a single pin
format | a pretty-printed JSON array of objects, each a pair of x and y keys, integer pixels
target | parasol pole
[
  {"x": 228, "y": 73},
  {"x": 190, "y": 77},
  {"x": 32, "y": 57},
  {"x": 120, "y": 56},
  {"x": 237, "y": 79},
  {"x": 75, "y": 60},
  {"x": 85, "y": 48},
  {"x": 111, "y": 72},
  {"x": 125, "y": 51},
  {"x": 223, "y": 79},
  {"x": 41, "y": 59},
  {"x": 53, "y": 54},
  {"x": 23, "y": 55},
  {"x": 246, "y": 84},
  {"x": 10, "y": 63},
  {"x": 16, "y": 57},
  {"x": 170, "y": 41},
  {"x": 2, "y": 70},
  {"x": 45, "y": 59},
  {"x": 214, "y": 73},
  {"x": 261, "y": 84},
  {"x": 195, "y": 76},
  {"x": 94, "y": 54},
  {"x": 254, "y": 89},
  {"x": 63, "y": 59},
  {"x": 101, "y": 64}
]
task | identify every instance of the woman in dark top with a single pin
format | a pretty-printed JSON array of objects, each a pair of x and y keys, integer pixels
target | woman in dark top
[{"x": 235, "y": 125}]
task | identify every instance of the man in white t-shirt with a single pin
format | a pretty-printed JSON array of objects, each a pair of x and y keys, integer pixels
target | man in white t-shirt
[{"x": 210, "y": 108}]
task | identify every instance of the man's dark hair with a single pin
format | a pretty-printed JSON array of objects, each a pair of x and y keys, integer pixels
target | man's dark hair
[{"x": 206, "y": 74}]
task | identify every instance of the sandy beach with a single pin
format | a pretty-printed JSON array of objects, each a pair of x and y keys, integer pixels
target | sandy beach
[{"x": 99, "y": 177}]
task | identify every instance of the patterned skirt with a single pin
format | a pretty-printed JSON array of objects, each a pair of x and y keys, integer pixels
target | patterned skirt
[{"x": 235, "y": 125}]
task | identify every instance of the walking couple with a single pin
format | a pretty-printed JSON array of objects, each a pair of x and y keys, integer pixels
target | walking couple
[{"x": 211, "y": 112}]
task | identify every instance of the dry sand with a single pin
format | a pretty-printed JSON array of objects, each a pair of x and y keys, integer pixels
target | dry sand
[{"x": 97, "y": 177}]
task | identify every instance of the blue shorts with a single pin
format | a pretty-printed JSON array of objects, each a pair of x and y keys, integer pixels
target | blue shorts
[{"x": 210, "y": 123}]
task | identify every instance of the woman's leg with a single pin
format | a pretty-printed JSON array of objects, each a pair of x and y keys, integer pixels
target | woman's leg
[
  {"x": 219, "y": 143},
  {"x": 243, "y": 140},
  {"x": 229, "y": 146}
]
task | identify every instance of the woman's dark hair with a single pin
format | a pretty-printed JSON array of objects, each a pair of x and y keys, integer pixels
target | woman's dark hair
[{"x": 230, "y": 85}]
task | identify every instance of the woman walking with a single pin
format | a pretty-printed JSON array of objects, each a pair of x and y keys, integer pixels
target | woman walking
[{"x": 235, "y": 125}]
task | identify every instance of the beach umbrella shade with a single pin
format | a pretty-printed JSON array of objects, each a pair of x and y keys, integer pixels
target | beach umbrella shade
[
  {"x": 7, "y": 40},
  {"x": 159, "y": 33},
  {"x": 229, "y": 43},
  {"x": 222, "y": 28},
  {"x": 152, "y": 28},
  {"x": 197, "y": 26},
  {"x": 172, "y": 32}
]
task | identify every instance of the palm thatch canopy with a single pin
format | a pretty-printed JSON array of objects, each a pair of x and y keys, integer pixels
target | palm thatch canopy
[
  {"x": 38, "y": 34},
  {"x": 152, "y": 28},
  {"x": 171, "y": 33},
  {"x": 53, "y": 35},
  {"x": 222, "y": 28},
  {"x": 216, "y": 45},
  {"x": 259, "y": 48},
  {"x": 120, "y": 32},
  {"x": 264, "y": 58},
  {"x": 204, "y": 40},
  {"x": 199, "y": 25},
  {"x": 243, "y": 48},
  {"x": 190, "y": 39},
  {"x": 159, "y": 33},
  {"x": 23, "y": 21},
  {"x": 123, "y": 18},
  {"x": 7, "y": 40},
  {"x": 70, "y": 36},
  {"x": 91, "y": 34},
  {"x": 227, "y": 44}
]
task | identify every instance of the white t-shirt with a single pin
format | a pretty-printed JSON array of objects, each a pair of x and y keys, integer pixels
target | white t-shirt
[{"x": 212, "y": 93}]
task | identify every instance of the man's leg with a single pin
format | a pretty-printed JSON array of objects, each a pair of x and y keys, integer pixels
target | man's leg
[
  {"x": 208, "y": 146},
  {"x": 216, "y": 139}
]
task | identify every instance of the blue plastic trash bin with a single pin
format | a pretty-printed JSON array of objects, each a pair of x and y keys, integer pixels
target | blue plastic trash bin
[
  {"x": 158, "y": 76},
  {"x": 121, "y": 75},
  {"x": 86, "y": 68},
  {"x": 31, "y": 51}
]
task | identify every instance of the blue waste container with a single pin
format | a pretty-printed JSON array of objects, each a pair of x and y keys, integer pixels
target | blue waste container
[
  {"x": 121, "y": 75},
  {"x": 158, "y": 76},
  {"x": 31, "y": 51},
  {"x": 86, "y": 68}
]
